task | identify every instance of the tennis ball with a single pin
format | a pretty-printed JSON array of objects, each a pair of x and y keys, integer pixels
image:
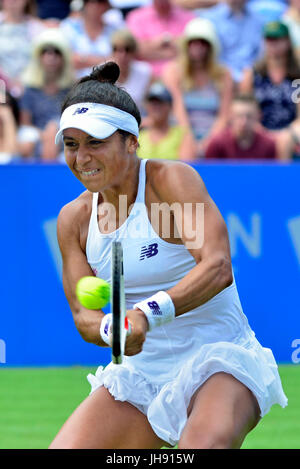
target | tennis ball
[{"x": 93, "y": 292}]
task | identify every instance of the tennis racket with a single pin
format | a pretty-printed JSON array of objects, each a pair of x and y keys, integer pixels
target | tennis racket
[{"x": 120, "y": 323}]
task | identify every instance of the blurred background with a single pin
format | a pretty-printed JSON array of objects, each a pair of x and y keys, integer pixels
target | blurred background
[{"x": 218, "y": 86}]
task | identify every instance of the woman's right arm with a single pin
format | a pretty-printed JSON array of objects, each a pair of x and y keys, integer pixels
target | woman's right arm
[
  {"x": 75, "y": 266},
  {"x": 172, "y": 80},
  {"x": 246, "y": 84}
]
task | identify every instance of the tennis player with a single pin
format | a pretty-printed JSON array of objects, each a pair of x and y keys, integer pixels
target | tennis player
[{"x": 194, "y": 373}]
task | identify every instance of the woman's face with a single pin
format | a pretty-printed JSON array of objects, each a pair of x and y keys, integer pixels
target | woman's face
[
  {"x": 198, "y": 50},
  {"x": 277, "y": 47},
  {"x": 51, "y": 59},
  {"x": 95, "y": 8},
  {"x": 100, "y": 164},
  {"x": 122, "y": 54},
  {"x": 158, "y": 110}
]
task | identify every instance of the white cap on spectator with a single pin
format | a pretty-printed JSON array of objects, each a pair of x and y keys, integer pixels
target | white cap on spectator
[{"x": 202, "y": 28}]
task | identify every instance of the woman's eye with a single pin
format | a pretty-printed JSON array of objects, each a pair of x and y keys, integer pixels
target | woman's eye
[
  {"x": 95, "y": 142},
  {"x": 70, "y": 144}
]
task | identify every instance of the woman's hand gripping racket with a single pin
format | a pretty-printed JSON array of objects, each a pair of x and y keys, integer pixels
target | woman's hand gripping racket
[{"x": 120, "y": 324}]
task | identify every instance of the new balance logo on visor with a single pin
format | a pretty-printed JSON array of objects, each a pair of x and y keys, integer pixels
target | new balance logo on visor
[
  {"x": 80, "y": 110},
  {"x": 154, "y": 308},
  {"x": 149, "y": 251}
]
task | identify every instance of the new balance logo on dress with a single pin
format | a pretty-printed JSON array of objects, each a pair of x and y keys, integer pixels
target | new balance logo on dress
[
  {"x": 149, "y": 251},
  {"x": 154, "y": 308}
]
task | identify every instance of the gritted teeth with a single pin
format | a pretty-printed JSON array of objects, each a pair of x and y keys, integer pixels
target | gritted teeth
[{"x": 90, "y": 173}]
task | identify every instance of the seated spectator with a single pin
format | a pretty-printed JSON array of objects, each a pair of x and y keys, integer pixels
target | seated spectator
[
  {"x": 240, "y": 34},
  {"x": 159, "y": 138},
  {"x": 243, "y": 139},
  {"x": 47, "y": 80},
  {"x": 292, "y": 19},
  {"x": 54, "y": 10},
  {"x": 9, "y": 121},
  {"x": 272, "y": 81},
  {"x": 201, "y": 88},
  {"x": 89, "y": 34},
  {"x": 18, "y": 28},
  {"x": 156, "y": 28},
  {"x": 135, "y": 75}
]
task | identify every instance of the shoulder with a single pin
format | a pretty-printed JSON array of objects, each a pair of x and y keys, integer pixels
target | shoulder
[
  {"x": 264, "y": 138},
  {"x": 218, "y": 144},
  {"x": 73, "y": 216},
  {"x": 183, "y": 14},
  {"x": 222, "y": 136},
  {"x": 142, "y": 67},
  {"x": 71, "y": 26},
  {"x": 138, "y": 13},
  {"x": 174, "y": 180},
  {"x": 216, "y": 12},
  {"x": 29, "y": 95}
]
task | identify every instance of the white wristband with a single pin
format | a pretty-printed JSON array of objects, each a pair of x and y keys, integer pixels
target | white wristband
[
  {"x": 159, "y": 309},
  {"x": 105, "y": 329}
]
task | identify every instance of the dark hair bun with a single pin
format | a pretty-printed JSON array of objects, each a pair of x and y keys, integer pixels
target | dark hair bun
[{"x": 106, "y": 73}]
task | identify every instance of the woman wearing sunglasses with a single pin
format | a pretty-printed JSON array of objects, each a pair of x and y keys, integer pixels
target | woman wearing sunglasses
[
  {"x": 47, "y": 79},
  {"x": 135, "y": 75}
]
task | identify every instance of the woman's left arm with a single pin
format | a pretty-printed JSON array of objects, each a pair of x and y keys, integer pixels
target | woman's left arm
[
  {"x": 203, "y": 232},
  {"x": 222, "y": 117}
]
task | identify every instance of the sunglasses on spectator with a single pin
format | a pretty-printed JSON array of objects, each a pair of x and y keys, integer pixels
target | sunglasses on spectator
[
  {"x": 50, "y": 50},
  {"x": 126, "y": 49}
]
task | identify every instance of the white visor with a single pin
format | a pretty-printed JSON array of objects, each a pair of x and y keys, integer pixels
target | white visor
[{"x": 98, "y": 120}]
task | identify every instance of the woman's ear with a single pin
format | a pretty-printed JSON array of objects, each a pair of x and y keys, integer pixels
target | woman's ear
[{"x": 132, "y": 144}]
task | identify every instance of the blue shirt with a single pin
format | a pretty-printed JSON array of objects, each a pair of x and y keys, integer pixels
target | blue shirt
[
  {"x": 42, "y": 107},
  {"x": 240, "y": 37}
]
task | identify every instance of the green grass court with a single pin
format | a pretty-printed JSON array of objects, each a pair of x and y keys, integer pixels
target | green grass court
[{"x": 35, "y": 402}]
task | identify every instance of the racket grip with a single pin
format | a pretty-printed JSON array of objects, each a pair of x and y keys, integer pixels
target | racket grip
[{"x": 127, "y": 326}]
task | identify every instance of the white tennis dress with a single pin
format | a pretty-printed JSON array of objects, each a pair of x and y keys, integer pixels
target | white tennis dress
[{"x": 179, "y": 356}]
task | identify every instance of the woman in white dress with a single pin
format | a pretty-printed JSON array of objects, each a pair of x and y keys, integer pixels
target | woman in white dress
[{"x": 194, "y": 373}]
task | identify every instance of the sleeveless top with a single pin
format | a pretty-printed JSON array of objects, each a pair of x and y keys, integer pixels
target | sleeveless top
[
  {"x": 277, "y": 107},
  {"x": 202, "y": 105},
  {"x": 152, "y": 264}
]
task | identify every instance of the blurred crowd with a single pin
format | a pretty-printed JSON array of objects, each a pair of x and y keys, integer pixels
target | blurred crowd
[{"x": 213, "y": 79}]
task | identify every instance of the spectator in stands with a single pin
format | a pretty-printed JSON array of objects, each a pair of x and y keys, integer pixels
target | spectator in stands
[
  {"x": 242, "y": 139},
  {"x": 135, "y": 75},
  {"x": 9, "y": 121},
  {"x": 47, "y": 79},
  {"x": 161, "y": 139},
  {"x": 89, "y": 35},
  {"x": 156, "y": 28},
  {"x": 18, "y": 28},
  {"x": 201, "y": 88},
  {"x": 56, "y": 9},
  {"x": 239, "y": 32},
  {"x": 292, "y": 19},
  {"x": 272, "y": 80}
]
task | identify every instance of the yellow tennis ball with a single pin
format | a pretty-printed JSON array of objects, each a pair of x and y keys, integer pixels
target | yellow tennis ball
[{"x": 93, "y": 292}]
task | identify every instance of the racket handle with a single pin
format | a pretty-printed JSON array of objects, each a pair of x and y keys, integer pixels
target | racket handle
[{"x": 127, "y": 326}]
